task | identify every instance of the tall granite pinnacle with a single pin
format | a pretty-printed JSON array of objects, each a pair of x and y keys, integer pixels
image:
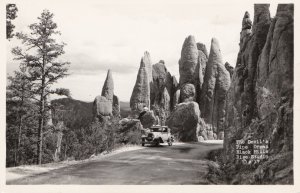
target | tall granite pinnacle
[
  {"x": 140, "y": 96},
  {"x": 108, "y": 87},
  {"x": 215, "y": 86},
  {"x": 107, "y": 104},
  {"x": 146, "y": 61},
  {"x": 188, "y": 61}
]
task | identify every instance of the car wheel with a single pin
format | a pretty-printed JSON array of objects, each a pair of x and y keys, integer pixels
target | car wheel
[
  {"x": 170, "y": 143},
  {"x": 143, "y": 144}
]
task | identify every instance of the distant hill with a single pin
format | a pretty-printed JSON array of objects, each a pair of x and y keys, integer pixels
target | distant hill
[
  {"x": 74, "y": 113},
  {"x": 124, "y": 109},
  {"x": 79, "y": 112}
]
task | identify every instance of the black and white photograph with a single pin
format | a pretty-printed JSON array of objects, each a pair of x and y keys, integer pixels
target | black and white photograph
[{"x": 149, "y": 93}]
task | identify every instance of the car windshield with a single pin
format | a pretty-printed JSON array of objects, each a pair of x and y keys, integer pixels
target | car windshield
[
  {"x": 155, "y": 129},
  {"x": 158, "y": 129}
]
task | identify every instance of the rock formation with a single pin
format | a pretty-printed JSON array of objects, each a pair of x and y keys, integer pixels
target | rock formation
[
  {"x": 176, "y": 98},
  {"x": 146, "y": 60},
  {"x": 188, "y": 61},
  {"x": 162, "y": 87},
  {"x": 184, "y": 121},
  {"x": 116, "y": 106},
  {"x": 156, "y": 94},
  {"x": 107, "y": 104},
  {"x": 140, "y": 96},
  {"x": 108, "y": 87},
  {"x": 229, "y": 68},
  {"x": 148, "y": 119},
  {"x": 187, "y": 93},
  {"x": 102, "y": 106},
  {"x": 130, "y": 131},
  {"x": 215, "y": 86},
  {"x": 192, "y": 65},
  {"x": 260, "y": 98},
  {"x": 200, "y": 69}
]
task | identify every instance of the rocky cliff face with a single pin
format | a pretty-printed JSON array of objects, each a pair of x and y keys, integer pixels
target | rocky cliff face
[
  {"x": 107, "y": 104},
  {"x": 260, "y": 98},
  {"x": 214, "y": 89}
]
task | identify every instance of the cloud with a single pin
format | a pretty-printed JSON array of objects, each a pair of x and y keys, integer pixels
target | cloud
[{"x": 82, "y": 63}]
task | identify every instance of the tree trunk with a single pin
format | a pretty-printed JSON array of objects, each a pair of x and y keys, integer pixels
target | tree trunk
[
  {"x": 40, "y": 129},
  {"x": 42, "y": 112},
  {"x": 19, "y": 132},
  {"x": 19, "y": 141}
]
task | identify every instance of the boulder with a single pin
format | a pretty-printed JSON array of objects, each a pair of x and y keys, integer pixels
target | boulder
[
  {"x": 184, "y": 121},
  {"x": 148, "y": 119},
  {"x": 187, "y": 93},
  {"x": 130, "y": 131},
  {"x": 102, "y": 107}
]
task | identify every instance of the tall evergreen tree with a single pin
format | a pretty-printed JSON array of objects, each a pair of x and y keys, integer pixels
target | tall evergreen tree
[{"x": 39, "y": 58}]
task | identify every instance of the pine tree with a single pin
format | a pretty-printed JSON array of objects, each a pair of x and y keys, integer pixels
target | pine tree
[
  {"x": 11, "y": 14},
  {"x": 18, "y": 94},
  {"x": 40, "y": 60}
]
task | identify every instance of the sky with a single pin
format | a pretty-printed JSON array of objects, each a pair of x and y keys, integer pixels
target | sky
[{"x": 102, "y": 35}]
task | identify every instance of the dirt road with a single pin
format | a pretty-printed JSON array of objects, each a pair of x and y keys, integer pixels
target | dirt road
[{"x": 179, "y": 164}]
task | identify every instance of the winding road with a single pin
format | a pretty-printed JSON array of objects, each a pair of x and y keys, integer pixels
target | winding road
[{"x": 179, "y": 164}]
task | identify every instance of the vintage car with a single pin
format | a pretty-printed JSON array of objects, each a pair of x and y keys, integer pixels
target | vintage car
[{"x": 157, "y": 134}]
